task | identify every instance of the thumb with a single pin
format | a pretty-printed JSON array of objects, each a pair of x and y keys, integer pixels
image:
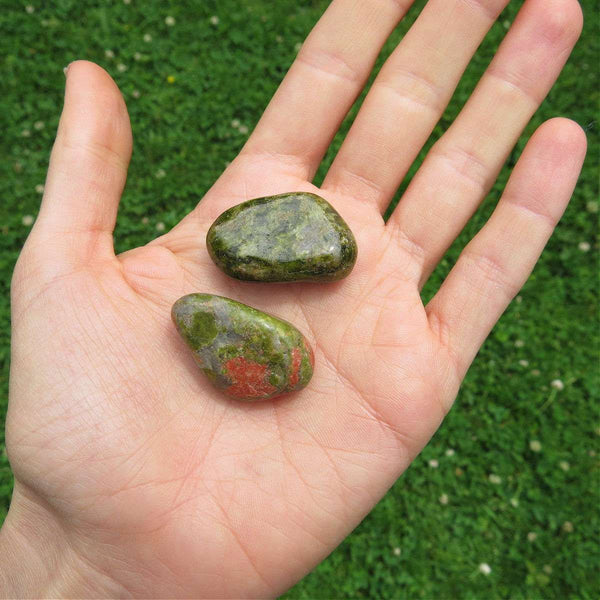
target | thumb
[{"x": 87, "y": 173}]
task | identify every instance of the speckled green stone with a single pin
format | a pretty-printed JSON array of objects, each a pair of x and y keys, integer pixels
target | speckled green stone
[
  {"x": 289, "y": 237},
  {"x": 248, "y": 354}
]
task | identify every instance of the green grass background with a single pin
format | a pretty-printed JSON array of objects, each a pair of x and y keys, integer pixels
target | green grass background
[{"x": 412, "y": 545}]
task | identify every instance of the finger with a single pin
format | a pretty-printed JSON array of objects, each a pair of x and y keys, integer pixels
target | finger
[
  {"x": 496, "y": 263},
  {"x": 408, "y": 97},
  {"x": 325, "y": 79},
  {"x": 88, "y": 168},
  {"x": 463, "y": 165}
]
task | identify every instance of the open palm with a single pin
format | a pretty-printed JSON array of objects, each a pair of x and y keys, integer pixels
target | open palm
[{"x": 154, "y": 483}]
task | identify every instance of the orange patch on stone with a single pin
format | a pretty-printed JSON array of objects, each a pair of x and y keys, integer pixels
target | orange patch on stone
[
  {"x": 296, "y": 360},
  {"x": 249, "y": 378},
  {"x": 311, "y": 354}
]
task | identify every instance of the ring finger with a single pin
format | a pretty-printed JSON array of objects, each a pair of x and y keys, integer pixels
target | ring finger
[{"x": 463, "y": 164}]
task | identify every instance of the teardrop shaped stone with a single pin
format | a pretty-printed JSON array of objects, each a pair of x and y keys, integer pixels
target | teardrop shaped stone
[
  {"x": 288, "y": 237},
  {"x": 248, "y": 354}
]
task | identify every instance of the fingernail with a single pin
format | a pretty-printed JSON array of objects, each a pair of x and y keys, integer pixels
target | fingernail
[{"x": 66, "y": 69}]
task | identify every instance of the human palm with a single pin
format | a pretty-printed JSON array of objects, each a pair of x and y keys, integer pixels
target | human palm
[{"x": 160, "y": 486}]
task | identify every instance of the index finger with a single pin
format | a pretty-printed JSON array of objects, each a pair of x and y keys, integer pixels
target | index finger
[{"x": 328, "y": 74}]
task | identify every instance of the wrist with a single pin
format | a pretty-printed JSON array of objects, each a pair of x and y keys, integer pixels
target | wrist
[{"x": 38, "y": 560}]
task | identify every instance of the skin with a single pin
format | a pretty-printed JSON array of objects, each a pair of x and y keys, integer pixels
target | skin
[{"x": 132, "y": 475}]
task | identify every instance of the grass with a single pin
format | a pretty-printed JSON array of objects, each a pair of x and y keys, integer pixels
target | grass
[{"x": 516, "y": 482}]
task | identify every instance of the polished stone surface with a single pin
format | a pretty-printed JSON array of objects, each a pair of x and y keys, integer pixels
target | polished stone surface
[
  {"x": 289, "y": 237},
  {"x": 247, "y": 353}
]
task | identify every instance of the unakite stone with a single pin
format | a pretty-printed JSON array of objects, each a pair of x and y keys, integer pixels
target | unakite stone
[
  {"x": 289, "y": 237},
  {"x": 245, "y": 352}
]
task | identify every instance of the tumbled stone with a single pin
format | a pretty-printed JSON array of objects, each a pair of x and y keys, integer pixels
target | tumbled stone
[
  {"x": 248, "y": 354},
  {"x": 289, "y": 237}
]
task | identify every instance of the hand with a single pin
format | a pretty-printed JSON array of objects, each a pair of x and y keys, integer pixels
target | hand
[{"x": 132, "y": 475}]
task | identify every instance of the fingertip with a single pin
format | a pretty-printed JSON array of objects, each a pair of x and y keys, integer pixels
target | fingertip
[
  {"x": 94, "y": 109},
  {"x": 87, "y": 73},
  {"x": 82, "y": 65},
  {"x": 80, "y": 62},
  {"x": 571, "y": 135},
  {"x": 563, "y": 138},
  {"x": 559, "y": 21},
  {"x": 563, "y": 128}
]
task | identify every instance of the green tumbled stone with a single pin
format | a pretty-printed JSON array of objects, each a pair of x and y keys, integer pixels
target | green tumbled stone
[
  {"x": 289, "y": 237},
  {"x": 248, "y": 354}
]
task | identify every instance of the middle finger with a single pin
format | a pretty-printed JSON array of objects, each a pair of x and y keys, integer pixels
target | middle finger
[{"x": 408, "y": 97}]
